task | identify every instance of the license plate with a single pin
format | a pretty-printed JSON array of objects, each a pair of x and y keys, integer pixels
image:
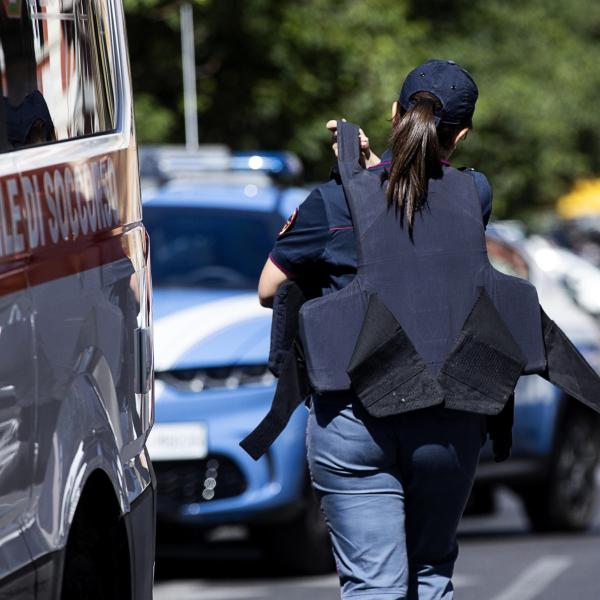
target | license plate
[{"x": 178, "y": 441}]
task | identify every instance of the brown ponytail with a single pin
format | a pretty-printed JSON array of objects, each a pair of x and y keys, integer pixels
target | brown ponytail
[{"x": 417, "y": 148}]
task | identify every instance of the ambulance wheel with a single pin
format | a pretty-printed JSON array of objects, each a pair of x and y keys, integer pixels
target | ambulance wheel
[
  {"x": 302, "y": 545},
  {"x": 96, "y": 559},
  {"x": 566, "y": 500}
]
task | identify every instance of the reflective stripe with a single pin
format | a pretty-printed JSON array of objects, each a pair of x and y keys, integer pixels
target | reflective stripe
[{"x": 179, "y": 332}]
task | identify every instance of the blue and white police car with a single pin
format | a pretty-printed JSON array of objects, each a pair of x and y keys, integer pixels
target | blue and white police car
[{"x": 212, "y": 219}]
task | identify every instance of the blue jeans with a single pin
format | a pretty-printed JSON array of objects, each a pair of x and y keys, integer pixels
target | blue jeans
[{"x": 392, "y": 491}]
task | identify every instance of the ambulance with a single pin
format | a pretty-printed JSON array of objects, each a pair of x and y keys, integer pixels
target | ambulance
[{"x": 77, "y": 492}]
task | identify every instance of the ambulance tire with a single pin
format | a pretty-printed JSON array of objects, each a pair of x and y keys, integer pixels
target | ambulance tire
[
  {"x": 302, "y": 545},
  {"x": 96, "y": 560},
  {"x": 566, "y": 499}
]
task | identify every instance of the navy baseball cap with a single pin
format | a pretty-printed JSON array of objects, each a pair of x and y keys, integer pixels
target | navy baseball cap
[{"x": 450, "y": 84}]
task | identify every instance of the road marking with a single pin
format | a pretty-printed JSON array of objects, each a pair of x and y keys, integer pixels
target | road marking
[{"x": 536, "y": 578}]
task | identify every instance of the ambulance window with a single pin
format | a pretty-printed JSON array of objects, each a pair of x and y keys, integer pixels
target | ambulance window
[
  {"x": 506, "y": 259},
  {"x": 56, "y": 72}
]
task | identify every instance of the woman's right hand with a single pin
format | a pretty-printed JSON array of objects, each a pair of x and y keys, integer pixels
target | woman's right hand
[{"x": 368, "y": 157}]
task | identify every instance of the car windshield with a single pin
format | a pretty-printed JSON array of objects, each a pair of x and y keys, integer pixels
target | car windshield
[{"x": 203, "y": 247}]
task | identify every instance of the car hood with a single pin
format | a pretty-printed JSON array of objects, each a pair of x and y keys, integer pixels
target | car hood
[{"x": 203, "y": 328}]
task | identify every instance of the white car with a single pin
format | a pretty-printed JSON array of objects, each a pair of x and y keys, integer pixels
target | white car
[{"x": 578, "y": 276}]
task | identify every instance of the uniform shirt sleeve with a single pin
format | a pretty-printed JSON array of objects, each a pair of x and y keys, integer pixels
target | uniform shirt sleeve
[
  {"x": 484, "y": 190},
  {"x": 303, "y": 239}
]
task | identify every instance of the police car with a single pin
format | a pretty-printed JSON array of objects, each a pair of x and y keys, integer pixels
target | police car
[
  {"x": 212, "y": 218},
  {"x": 556, "y": 446}
]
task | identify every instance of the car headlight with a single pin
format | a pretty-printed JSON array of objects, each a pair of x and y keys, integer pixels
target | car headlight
[{"x": 228, "y": 377}]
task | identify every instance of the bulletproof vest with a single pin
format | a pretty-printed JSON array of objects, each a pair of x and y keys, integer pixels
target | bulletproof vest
[{"x": 427, "y": 318}]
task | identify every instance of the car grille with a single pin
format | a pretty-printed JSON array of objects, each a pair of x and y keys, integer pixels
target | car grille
[
  {"x": 224, "y": 377},
  {"x": 197, "y": 481}
]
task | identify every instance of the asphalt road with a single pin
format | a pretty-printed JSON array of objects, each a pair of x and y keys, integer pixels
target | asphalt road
[{"x": 500, "y": 559}]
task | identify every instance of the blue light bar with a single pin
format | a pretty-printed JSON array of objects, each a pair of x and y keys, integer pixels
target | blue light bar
[
  {"x": 163, "y": 163},
  {"x": 284, "y": 164},
  {"x": 168, "y": 162}
]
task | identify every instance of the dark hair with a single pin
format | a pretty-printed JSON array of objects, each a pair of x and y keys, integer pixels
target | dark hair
[{"x": 417, "y": 147}]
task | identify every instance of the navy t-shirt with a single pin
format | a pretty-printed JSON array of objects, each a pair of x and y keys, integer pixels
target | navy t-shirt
[{"x": 317, "y": 242}]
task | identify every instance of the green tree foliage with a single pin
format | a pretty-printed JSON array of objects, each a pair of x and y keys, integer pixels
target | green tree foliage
[
  {"x": 537, "y": 128},
  {"x": 270, "y": 73}
]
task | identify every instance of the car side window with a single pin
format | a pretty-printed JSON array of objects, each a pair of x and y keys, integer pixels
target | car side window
[{"x": 56, "y": 78}]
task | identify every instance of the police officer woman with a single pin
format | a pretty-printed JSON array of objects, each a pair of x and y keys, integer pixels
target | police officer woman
[
  {"x": 413, "y": 341},
  {"x": 392, "y": 489}
]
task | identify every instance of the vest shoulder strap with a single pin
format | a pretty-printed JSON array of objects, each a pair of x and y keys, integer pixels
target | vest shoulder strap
[{"x": 362, "y": 188}]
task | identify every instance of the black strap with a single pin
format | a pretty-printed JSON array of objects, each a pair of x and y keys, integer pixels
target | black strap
[
  {"x": 348, "y": 145},
  {"x": 284, "y": 324},
  {"x": 292, "y": 389},
  {"x": 349, "y": 166}
]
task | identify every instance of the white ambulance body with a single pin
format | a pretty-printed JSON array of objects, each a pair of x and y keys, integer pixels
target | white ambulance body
[{"x": 76, "y": 403}]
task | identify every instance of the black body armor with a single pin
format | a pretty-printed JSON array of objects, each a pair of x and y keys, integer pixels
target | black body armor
[{"x": 427, "y": 320}]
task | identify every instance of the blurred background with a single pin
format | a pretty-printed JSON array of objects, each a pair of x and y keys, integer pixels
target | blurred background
[{"x": 268, "y": 75}]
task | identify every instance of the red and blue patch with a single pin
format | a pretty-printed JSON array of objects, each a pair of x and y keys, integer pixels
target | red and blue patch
[{"x": 288, "y": 224}]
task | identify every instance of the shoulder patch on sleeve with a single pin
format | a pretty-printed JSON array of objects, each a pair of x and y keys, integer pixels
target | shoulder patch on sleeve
[{"x": 289, "y": 223}]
